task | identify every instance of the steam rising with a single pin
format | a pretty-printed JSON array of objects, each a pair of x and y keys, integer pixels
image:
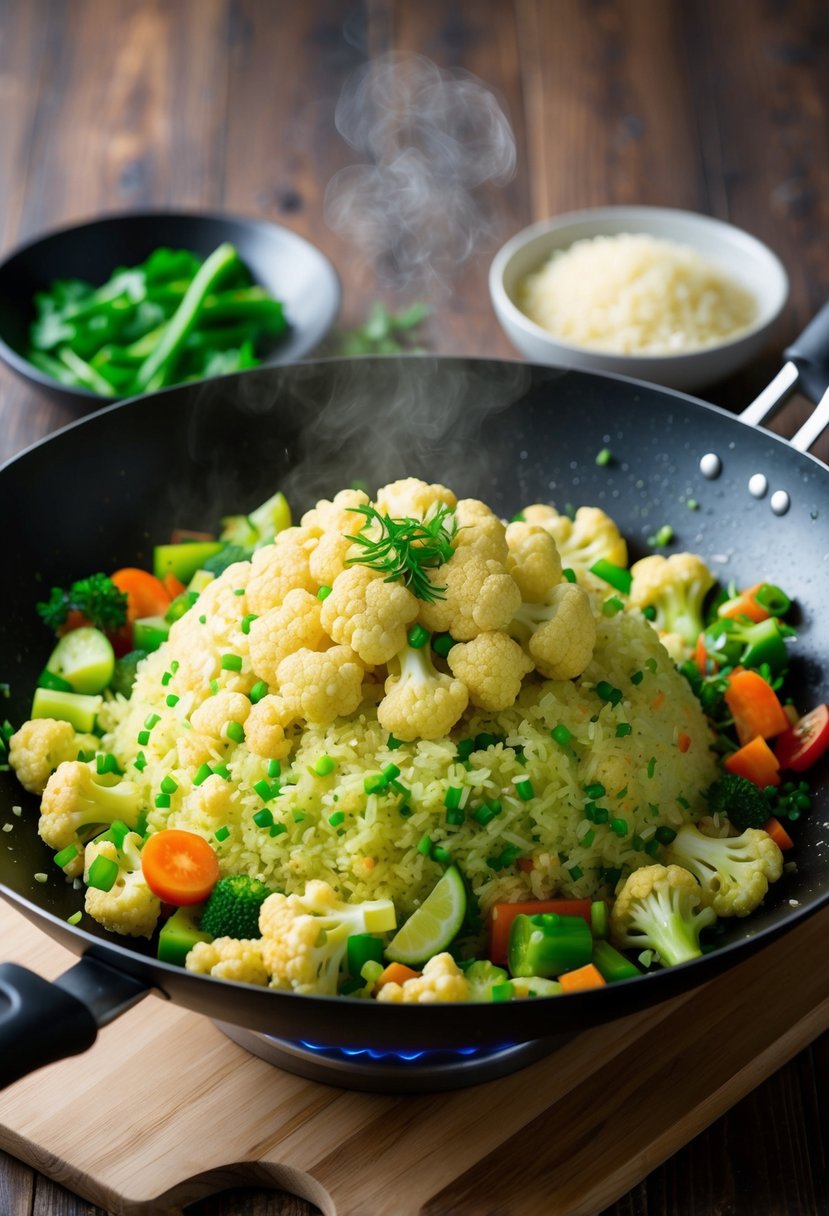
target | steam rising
[{"x": 431, "y": 140}]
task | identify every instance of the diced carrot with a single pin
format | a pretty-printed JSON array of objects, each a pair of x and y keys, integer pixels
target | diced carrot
[
  {"x": 146, "y": 595},
  {"x": 778, "y": 834},
  {"x": 755, "y": 761},
  {"x": 501, "y": 917},
  {"x": 396, "y": 973},
  {"x": 701, "y": 656},
  {"x": 588, "y": 976},
  {"x": 74, "y": 620},
  {"x": 172, "y": 585},
  {"x": 658, "y": 701},
  {"x": 525, "y": 864},
  {"x": 755, "y": 706},
  {"x": 684, "y": 741},
  {"x": 745, "y": 605}
]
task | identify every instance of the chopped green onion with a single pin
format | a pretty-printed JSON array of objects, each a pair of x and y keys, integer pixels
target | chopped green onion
[
  {"x": 298, "y": 816},
  {"x": 651, "y": 766},
  {"x": 561, "y": 735},
  {"x": 324, "y": 766},
  {"x": 661, "y": 537},
  {"x": 504, "y": 991},
  {"x": 263, "y": 818},
  {"x": 595, "y": 790},
  {"x": 609, "y": 692},
  {"x": 66, "y": 855},
  {"x": 524, "y": 788},
  {"x": 278, "y": 829},
  {"x": 231, "y": 662},
  {"x": 465, "y": 749},
  {"x": 441, "y": 855},
  {"x": 105, "y": 763},
  {"x": 399, "y": 788},
  {"x": 247, "y": 621},
  {"x": 140, "y": 762},
  {"x": 172, "y": 700},
  {"x": 324, "y": 592},
  {"x": 619, "y": 826},
  {"x": 162, "y": 801},
  {"x": 568, "y": 574},
  {"x": 221, "y": 833},
  {"x": 274, "y": 768},
  {"x": 263, "y": 789},
  {"x": 392, "y": 744},
  {"x": 374, "y": 783},
  {"x": 604, "y": 457},
  {"x": 637, "y": 677},
  {"x": 455, "y": 816},
  {"x": 418, "y": 637},
  {"x": 235, "y": 731},
  {"x": 424, "y": 845},
  {"x": 143, "y": 738},
  {"x": 651, "y": 665},
  {"x": 649, "y": 613},
  {"x": 612, "y": 606},
  {"x": 390, "y": 772},
  {"x": 103, "y": 873},
  {"x": 214, "y": 687},
  {"x": 665, "y": 835},
  {"x": 336, "y": 819},
  {"x": 202, "y": 773},
  {"x": 442, "y": 643},
  {"x": 259, "y": 690},
  {"x": 169, "y": 785},
  {"x": 75, "y": 918},
  {"x": 616, "y": 576},
  {"x": 452, "y": 797},
  {"x": 623, "y": 728},
  {"x": 773, "y": 599},
  {"x": 576, "y": 872}
]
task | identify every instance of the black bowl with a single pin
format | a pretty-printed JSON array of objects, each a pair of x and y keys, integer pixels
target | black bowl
[{"x": 289, "y": 267}]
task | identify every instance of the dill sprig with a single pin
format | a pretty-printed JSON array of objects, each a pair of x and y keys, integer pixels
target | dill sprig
[{"x": 404, "y": 549}]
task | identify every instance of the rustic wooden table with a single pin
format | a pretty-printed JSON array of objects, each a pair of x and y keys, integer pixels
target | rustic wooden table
[{"x": 720, "y": 106}]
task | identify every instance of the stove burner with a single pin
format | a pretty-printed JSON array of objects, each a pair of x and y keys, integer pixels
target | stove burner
[{"x": 381, "y": 1071}]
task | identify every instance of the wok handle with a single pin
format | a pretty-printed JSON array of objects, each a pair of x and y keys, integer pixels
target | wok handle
[
  {"x": 41, "y": 1022},
  {"x": 810, "y": 355}
]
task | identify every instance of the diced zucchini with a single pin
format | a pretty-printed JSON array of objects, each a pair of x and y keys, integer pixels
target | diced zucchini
[
  {"x": 184, "y": 559},
  {"x": 149, "y": 632},
  {"x": 273, "y": 516},
  {"x": 180, "y": 933},
  {"x": 80, "y": 709},
  {"x": 200, "y": 580},
  {"x": 84, "y": 658}
]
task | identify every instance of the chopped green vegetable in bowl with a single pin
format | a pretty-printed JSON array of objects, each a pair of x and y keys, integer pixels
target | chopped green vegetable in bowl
[{"x": 176, "y": 317}]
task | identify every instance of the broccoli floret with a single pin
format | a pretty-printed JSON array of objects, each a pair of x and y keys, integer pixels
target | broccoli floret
[
  {"x": 658, "y": 909},
  {"x": 482, "y": 976},
  {"x": 733, "y": 872},
  {"x": 97, "y": 598},
  {"x": 125, "y": 668},
  {"x": 739, "y": 800},
  {"x": 233, "y": 907}
]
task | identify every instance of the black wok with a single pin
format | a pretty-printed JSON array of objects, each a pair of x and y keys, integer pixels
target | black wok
[{"x": 101, "y": 492}]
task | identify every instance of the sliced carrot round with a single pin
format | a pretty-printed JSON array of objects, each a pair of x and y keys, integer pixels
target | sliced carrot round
[
  {"x": 146, "y": 594},
  {"x": 179, "y": 867}
]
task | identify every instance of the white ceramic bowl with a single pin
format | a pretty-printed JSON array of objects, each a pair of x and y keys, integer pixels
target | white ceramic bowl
[{"x": 736, "y": 253}]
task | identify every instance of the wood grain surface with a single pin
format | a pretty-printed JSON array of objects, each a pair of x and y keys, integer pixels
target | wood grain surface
[{"x": 720, "y": 106}]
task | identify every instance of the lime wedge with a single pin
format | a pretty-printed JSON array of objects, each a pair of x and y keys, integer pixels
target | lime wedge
[{"x": 432, "y": 927}]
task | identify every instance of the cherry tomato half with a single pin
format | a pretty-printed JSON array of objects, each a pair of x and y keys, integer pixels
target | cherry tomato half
[{"x": 799, "y": 747}]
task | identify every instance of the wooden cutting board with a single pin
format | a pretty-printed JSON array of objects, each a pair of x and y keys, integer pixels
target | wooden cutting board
[{"x": 165, "y": 1109}]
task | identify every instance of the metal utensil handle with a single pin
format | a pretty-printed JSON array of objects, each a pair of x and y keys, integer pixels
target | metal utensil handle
[
  {"x": 810, "y": 355},
  {"x": 807, "y": 368},
  {"x": 41, "y": 1022}
]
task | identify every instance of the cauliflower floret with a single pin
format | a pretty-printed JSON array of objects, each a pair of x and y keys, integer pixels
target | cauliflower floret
[
  {"x": 581, "y": 541},
  {"x": 294, "y": 625},
  {"x": 329, "y": 558},
  {"x": 229, "y": 958},
  {"x": 659, "y": 909},
  {"x": 212, "y": 801},
  {"x": 440, "y": 980},
  {"x": 193, "y": 749},
  {"x": 36, "y": 750},
  {"x": 479, "y": 596},
  {"x": 336, "y": 514},
  {"x": 129, "y": 907},
  {"x": 411, "y": 498},
  {"x": 265, "y": 728},
  {"x": 77, "y": 798},
  {"x": 480, "y": 529},
  {"x": 278, "y": 568},
  {"x": 492, "y": 667},
  {"x": 533, "y": 560},
  {"x": 733, "y": 872},
  {"x": 560, "y": 634},
  {"x": 320, "y": 686},
  {"x": 675, "y": 587},
  {"x": 214, "y": 713},
  {"x": 368, "y": 614},
  {"x": 421, "y": 703},
  {"x": 304, "y": 936}
]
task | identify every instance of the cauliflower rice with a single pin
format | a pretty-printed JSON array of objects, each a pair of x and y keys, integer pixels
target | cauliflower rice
[
  {"x": 648, "y": 751},
  {"x": 636, "y": 294}
]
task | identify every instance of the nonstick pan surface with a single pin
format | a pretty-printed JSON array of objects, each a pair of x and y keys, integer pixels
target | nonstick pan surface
[{"x": 100, "y": 494}]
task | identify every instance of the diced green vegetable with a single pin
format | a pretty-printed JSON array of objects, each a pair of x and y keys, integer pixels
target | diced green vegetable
[
  {"x": 85, "y": 659},
  {"x": 185, "y": 559},
  {"x": 80, "y": 709},
  {"x": 548, "y": 944},
  {"x": 611, "y": 964},
  {"x": 150, "y": 632},
  {"x": 180, "y": 934}
]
